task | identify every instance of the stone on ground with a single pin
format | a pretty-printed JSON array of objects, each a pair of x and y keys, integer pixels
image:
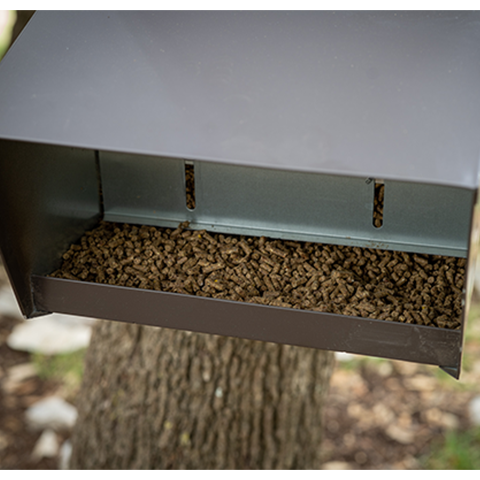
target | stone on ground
[
  {"x": 65, "y": 454},
  {"x": 51, "y": 412},
  {"x": 474, "y": 410},
  {"x": 336, "y": 466},
  {"x": 47, "y": 445},
  {"x": 50, "y": 335}
]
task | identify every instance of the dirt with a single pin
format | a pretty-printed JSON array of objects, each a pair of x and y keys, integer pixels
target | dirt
[{"x": 389, "y": 414}]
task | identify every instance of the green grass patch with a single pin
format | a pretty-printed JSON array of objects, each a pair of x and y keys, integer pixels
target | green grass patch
[
  {"x": 459, "y": 451},
  {"x": 472, "y": 332},
  {"x": 66, "y": 367},
  {"x": 447, "y": 381}
]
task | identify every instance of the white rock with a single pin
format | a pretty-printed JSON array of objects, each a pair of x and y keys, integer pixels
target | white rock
[
  {"x": 450, "y": 421},
  {"x": 65, "y": 455},
  {"x": 336, "y": 466},
  {"x": 73, "y": 319},
  {"x": 400, "y": 434},
  {"x": 8, "y": 303},
  {"x": 50, "y": 335},
  {"x": 51, "y": 412},
  {"x": 344, "y": 356},
  {"x": 474, "y": 410},
  {"x": 46, "y": 446},
  {"x": 385, "y": 368}
]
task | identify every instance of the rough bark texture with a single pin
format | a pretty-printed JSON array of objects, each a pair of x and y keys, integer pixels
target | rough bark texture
[{"x": 162, "y": 399}]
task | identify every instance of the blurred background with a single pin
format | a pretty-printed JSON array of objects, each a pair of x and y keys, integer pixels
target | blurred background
[
  {"x": 380, "y": 414},
  {"x": 12, "y": 23}
]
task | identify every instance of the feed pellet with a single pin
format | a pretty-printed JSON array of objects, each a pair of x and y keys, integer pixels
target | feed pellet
[{"x": 364, "y": 282}]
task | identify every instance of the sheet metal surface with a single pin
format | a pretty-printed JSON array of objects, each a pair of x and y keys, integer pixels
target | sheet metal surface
[
  {"x": 391, "y": 95},
  {"x": 321, "y": 208},
  {"x": 46, "y": 204}
]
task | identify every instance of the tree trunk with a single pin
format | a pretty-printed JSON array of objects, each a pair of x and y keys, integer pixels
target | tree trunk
[{"x": 156, "y": 398}]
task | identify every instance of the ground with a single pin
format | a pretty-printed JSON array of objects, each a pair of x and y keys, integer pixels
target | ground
[{"x": 380, "y": 414}]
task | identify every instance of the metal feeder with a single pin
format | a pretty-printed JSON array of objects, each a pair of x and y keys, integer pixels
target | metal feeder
[{"x": 289, "y": 120}]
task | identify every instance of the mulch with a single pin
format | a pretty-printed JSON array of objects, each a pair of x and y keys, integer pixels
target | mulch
[{"x": 389, "y": 414}]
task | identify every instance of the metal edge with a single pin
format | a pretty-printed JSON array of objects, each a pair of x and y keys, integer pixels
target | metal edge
[
  {"x": 379, "y": 338},
  {"x": 453, "y": 372}
]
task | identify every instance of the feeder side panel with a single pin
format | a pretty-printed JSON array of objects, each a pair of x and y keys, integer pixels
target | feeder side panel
[{"x": 48, "y": 197}]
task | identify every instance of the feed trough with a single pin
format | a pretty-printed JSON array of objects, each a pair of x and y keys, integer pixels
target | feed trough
[{"x": 307, "y": 178}]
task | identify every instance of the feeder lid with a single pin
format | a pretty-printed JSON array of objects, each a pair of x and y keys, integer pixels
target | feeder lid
[{"x": 374, "y": 94}]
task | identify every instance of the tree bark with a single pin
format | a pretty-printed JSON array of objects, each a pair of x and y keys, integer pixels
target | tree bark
[{"x": 156, "y": 398}]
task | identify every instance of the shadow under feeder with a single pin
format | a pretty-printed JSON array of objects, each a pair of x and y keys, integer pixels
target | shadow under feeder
[{"x": 237, "y": 163}]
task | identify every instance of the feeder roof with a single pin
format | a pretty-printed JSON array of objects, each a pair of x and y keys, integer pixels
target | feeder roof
[{"x": 373, "y": 94}]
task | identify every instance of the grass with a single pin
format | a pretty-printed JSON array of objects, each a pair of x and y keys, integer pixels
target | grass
[
  {"x": 6, "y": 33},
  {"x": 447, "y": 382},
  {"x": 472, "y": 332},
  {"x": 459, "y": 451},
  {"x": 66, "y": 368}
]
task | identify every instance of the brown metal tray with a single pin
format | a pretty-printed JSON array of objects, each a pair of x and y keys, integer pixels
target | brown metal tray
[{"x": 415, "y": 343}]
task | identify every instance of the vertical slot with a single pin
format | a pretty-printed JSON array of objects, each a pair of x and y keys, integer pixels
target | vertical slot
[
  {"x": 99, "y": 183},
  {"x": 378, "y": 200},
  {"x": 190, "y": 185}
]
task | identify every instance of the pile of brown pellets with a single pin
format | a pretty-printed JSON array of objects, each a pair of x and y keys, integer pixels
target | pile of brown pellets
[{"x": 381, "y": 284}]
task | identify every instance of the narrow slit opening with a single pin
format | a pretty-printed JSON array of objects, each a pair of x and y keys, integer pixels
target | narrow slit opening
[
  {"x": 99, "y": 183},
  {"x": 378, "y": 200},
  {"x": 190, "y": 185}
]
